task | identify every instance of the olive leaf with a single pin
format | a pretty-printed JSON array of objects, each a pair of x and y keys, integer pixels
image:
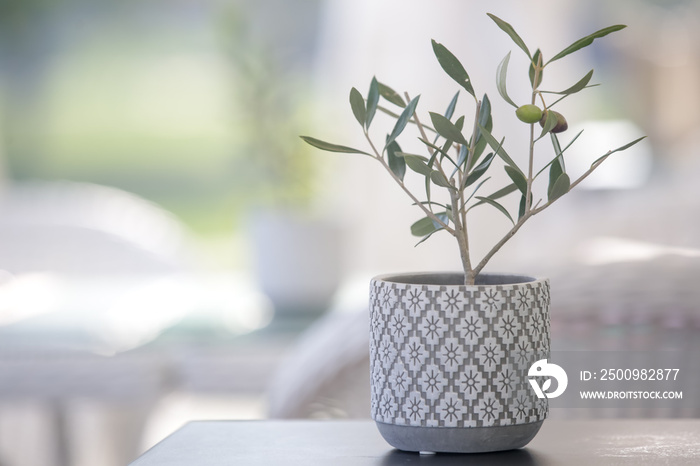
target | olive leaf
[
  {"x": 555, "y": 172},
  {"x": 396, "y": 162},
  {"x": 559, "y": 188},
  {"x": 463, "y": 154},
  {"x": 579, "y": 86},
  {"x": 327, "y": 146},
  {"x": 440, "y": 180},
  {"x": 486, "y": 121},
  {"x": 522, "y": 207},
  {"x": 447, "y": 129},
  {"x": 549, "y": 123},
  {"x": 451, "y": 108},
  {"x": 423, "y": 227},
  {"x": 586, "y": 41},
  {"x": 403, "y": 120},
  {"x": 481, "y": 183},
  {"x": 357, "y": 103},
  {"x": 497, "y": 206},
  {"x": 452, "y": 66},
  {"x": 501, "y": 75},
  {"x": 449, "y": 112},
  {"x": 508, "y": 29},
  {"x": 518, "y": 178},
  {"x": 536, "y": 61},
  {"x": 479, "y": 170},
  {"x": 498, "y": 194},
  {"x": 438, "y": 150},
  {"x": 390, "y": 95},
  {"x": 417, "y": 163},
  {"x": 427, "y": 225},
  {"x": 619, "y": 149},
  {"x": 372, "y": 101}
]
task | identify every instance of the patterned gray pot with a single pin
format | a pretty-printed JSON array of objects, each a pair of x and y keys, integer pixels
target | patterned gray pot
[{"x": 449, "y": 362}]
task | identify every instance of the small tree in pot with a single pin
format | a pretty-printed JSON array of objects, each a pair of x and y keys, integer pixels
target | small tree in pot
[{"x": 450, "y": 352}]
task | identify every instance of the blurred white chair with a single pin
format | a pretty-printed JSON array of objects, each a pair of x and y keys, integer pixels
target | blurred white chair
[
  {"x": 82, "y": 228},
  {"x": 83, "y": 403}
]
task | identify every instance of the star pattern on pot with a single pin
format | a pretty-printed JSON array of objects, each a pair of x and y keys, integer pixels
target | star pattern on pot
[
  {"x": 452, "y": 409},
  {"x": 415, "y": 408},
  {"x": 489, "y": 408},
  {"x": 521, "y": 406},
  {"x": 399, "y": 380},
  {"x": 452, "y": 303},
  {"x": 491, "y": 354},
  {"x": 432, "y": 382},
  {"x": 471, "y": 382},
  {"x": 523, "y": 353},
  {"x": 508, "y": 327},
  {"x": 506, "y": 381},
  {"x": 387, "y": 405},
  {"x": 414, "y": 353},
  {"x": 399, "y": 325},
  {"x": 490, "y": 301},
  {"x": 472, "y": 328},
  {"x": 451, "y": 355},
  {"x": 523, "y": 300},
  {"x": 414, "y": 301},
  {"x": 433, "y": 327}
]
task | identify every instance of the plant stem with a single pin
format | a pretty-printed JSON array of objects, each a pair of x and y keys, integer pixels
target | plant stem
[
  {"x": 462, "y": 239},
  {"x": 469, "y": 274}
]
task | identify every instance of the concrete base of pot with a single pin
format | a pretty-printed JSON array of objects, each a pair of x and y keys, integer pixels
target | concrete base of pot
[{"x": 458, "y": 439}]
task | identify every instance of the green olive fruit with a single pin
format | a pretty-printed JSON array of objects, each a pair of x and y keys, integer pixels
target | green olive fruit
[
  {"x": 529, "y": 113},
  {"x": 561, "y": 125}
]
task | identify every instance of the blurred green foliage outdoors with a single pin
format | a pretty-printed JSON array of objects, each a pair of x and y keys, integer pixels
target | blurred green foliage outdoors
[{"x": 188, "y": 104}]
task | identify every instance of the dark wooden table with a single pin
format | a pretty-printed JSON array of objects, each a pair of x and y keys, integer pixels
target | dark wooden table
[{"x": 310, "y": 443}]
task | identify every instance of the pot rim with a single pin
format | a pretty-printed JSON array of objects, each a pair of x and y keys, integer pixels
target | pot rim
[{"x": 453, "y": 279}]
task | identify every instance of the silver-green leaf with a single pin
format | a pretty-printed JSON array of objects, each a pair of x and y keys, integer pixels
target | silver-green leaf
[
  {"x": 501, "y": 77},
  {"x": 403, "y": 119},
  {"x": 423, "y": 227},
  {"x": 447, "y": 129},
  {"x": 372, "y": 101},
  {"x": 327, "y": 146},
  {"x": 498, "y": 206},
  {"x": 549, "y": 123},
  {"x": 440, "y": 180},
  {"x": 619, "y": 149},
  {"x": 357, "y": 103},
  {"x": 561, "y": 186},
  {"x": 452, "y": 66},
  {"x": 396, "y": 162},
  {"x": 417, "y": 163},
  {"x": 479, "y": 170},
  {"x": 586, "y": 41},
  {"x": 391, "y": 95},
  {"x": 579, "y": 86},
  {"x": 508, "y": 29},
  {"x": 518, "y": 178}
]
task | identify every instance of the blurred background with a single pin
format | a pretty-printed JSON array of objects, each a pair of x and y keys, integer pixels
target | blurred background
[{"x": 171, "y": 250}]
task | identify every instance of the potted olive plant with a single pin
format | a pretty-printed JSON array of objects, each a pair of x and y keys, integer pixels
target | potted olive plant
[{"x": 450, "y": 352}]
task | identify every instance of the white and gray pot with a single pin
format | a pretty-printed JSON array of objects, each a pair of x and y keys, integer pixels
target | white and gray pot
[{"x": 449, "y": 362}]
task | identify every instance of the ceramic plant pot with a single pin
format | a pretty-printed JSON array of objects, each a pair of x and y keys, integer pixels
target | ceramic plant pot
[{"x": 449, "y": 362}]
